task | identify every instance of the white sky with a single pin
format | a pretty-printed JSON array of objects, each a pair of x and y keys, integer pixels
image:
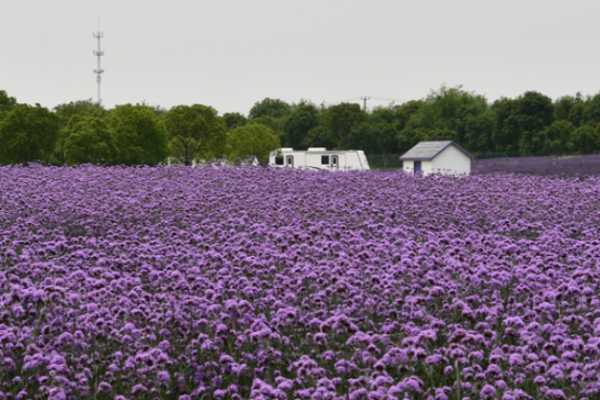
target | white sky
[{"x": 232, "y": 53}]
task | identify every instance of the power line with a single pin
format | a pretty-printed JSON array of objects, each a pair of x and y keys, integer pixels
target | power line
[{"x": 365, "y": 98}]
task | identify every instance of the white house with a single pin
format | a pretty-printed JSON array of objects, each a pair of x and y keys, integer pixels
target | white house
[
  {"x": 320, "y": 158},
  {"x": 444, "y": 156}
]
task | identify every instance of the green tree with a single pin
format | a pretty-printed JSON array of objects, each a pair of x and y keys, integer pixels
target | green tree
[
  {"x": 407, "y": 138},
  {"x": 252, "y": 141},
  {"x": 448, "y": 110},
  {"x": 442, "y": 134},
  {"x": 576, "y": 113},
  {"x": 585, "y": 139},
  {"x": 339, "y": 120},
  {"x": 564, "y": 105},
  {"x": 6, "y": 102},
  {"x": 27, "y": 133},
  {"x": 591, "y": 111},
  {"x": 557, "y": 137},
  {"x": 139, "y": 135},
  {"x": 533, "y": 112},
  {"x": 303, "y": 118},
  {"x": 88, "y": 139},
  {"x": 404, "y": 112},
  {"x": 65, "y": 112},
  {"x": 274, "y": 108},
  {"x": 233, "y": 120},
  {"x": 195, "y": 131},
  {"x": 276, "y": 125},
  {"x": 383, "y": 121},
  {"x": 384, "y": 141},
  {"x": 506, "y": 132},
  {"x": 479, "y": 131},
  {"x": 318, "y": 137}
]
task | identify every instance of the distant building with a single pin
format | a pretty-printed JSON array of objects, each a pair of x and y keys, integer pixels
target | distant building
[
  {"x": 444, "y": 156},
  {"x": 320, "y": 158}
]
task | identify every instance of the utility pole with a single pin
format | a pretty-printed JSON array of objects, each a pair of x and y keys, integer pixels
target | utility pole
[
  {"x": 98, "y": 53},
  {"x": 364, "y": 99}
]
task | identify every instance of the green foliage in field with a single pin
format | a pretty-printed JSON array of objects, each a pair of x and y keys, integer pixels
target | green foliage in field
[
  {"x": 27, "y": 133},
  {"x": 195, "y": 131},
  {"x": 252, "y": 141},
  {"x": 530, "y": 124}
]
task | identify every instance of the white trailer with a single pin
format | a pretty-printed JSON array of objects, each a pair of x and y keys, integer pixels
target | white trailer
[{"x": 320, "y": 158}]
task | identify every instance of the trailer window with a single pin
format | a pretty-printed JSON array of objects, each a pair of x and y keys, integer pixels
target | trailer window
[
  {"x": 324, "y": 160},
  {"x": 279, "y": 160},
  {"x": 334, "y": 161}
]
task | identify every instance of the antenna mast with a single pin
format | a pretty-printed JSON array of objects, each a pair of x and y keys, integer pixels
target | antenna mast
[
  {"x": 98, "y": 53},
  {"x": 364, "y": 99}
]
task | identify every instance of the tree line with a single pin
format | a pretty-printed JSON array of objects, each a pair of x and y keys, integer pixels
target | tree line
[{"x": 86, "y": 132}]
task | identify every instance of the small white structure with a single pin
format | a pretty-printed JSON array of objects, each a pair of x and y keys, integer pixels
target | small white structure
[
  {"x": 444, "y": 156},
  {"x": 320, "y": 158}
]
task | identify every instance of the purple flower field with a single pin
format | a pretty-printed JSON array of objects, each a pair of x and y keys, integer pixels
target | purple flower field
[
  {"x": 265, "y": 283},
  {"x": 570, "y": 166}
]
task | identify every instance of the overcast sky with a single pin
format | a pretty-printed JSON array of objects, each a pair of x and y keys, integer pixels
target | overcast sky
[{"x": 232, "y": 53}]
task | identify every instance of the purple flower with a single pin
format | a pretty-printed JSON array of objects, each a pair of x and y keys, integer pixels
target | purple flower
[
  {"x": 163, "y": 376},
  {"x": 104, "y": 387},
  {"x": 56, "y": 393},
  {"x": 488, "y": 391},
  {"x": 516, "y": 359}
]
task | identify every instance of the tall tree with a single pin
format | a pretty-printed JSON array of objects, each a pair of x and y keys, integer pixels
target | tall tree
[
  {"x": 318, "y": 137},
  {"x": 303, "y": 118},
  {"x": 404, "y": 112},
  {"x": 27, "y": 133},
  {"x": 6, "y": 102},
  {"x": 274, "y": 108},
  {"x": 252, "y": 141},
  {"x": 233, "y": 120},
  {"x": 88, "y": 139},
  {"x": 339, "y": 120},
  {"x": 65, "y": 112},
  {"x": 506, "y": 132},
  {"x": 585, "y": 139},
  {"x": 139, "y": 135},
  {"x": 195, "y": 131},
  {"x": 478, "y": 132},
  {"x": 591, "y": 111},
  {"x": 557, "y": 137},
  {"x": 533, "y": 112},
  {"x": 448, "y": 110},
  {"x": 564, "y": 105}
]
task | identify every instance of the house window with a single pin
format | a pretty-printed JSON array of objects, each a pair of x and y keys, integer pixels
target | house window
[{"x": 324, "y": 160}]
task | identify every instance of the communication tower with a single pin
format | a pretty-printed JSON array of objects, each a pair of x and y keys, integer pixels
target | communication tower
[{"x": 98, "y": 53}]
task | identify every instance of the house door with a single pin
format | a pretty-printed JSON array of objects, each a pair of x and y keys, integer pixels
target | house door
[
  {"x": 289, "y": 161},
  {"x": 417, "y": 167}
]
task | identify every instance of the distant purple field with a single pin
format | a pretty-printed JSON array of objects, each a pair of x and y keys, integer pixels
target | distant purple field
[
  {"x": 542, "y": 166},
  {"x": 264, "y": 283}
]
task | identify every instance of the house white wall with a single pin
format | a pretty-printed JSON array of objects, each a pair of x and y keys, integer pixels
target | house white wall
[
  {"x": 426, "y": 167},
  {"x": 452, "y": 161}
]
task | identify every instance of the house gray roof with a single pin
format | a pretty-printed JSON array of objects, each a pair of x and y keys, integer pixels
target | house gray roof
[{"x": 424, "y": 151}]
